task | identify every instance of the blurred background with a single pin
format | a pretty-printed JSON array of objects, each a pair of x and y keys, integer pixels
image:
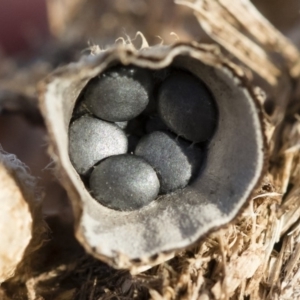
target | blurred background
[{"x": 26, "y": 26}]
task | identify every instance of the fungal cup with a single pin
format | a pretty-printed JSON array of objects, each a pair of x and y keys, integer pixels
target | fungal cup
[{"x": 232, "y": 167}]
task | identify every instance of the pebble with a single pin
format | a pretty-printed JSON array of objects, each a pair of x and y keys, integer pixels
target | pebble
[
  {"x": 91, "y": 140},
  {"x": 119, "y": 94},
  {"x": 187, "y": 107},
  {"x": 174, "y": 160},
  {"x": 124, "y": 182}
]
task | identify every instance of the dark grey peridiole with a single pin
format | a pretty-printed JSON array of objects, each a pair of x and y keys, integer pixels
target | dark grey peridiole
[
  {"x": 91, "y": 140},
  {"x": 120, "y": 94},
  {"x": 124, "y": 182},
  {"x": 174, "y": 160},
  {"x": 187, "y": 107}
]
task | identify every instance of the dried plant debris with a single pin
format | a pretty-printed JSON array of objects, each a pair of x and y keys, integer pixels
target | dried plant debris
[
  {"x": 228, "y": 23},
  {"x": 233, "y": 146},
  {"x": 20, "y": 218},
  {"x": 255, "y": 42},
  {"x": 87, "y": 278}
]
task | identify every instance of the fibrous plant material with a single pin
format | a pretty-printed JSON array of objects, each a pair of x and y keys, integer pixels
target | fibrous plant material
[{"x": 187, "y": 214}]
